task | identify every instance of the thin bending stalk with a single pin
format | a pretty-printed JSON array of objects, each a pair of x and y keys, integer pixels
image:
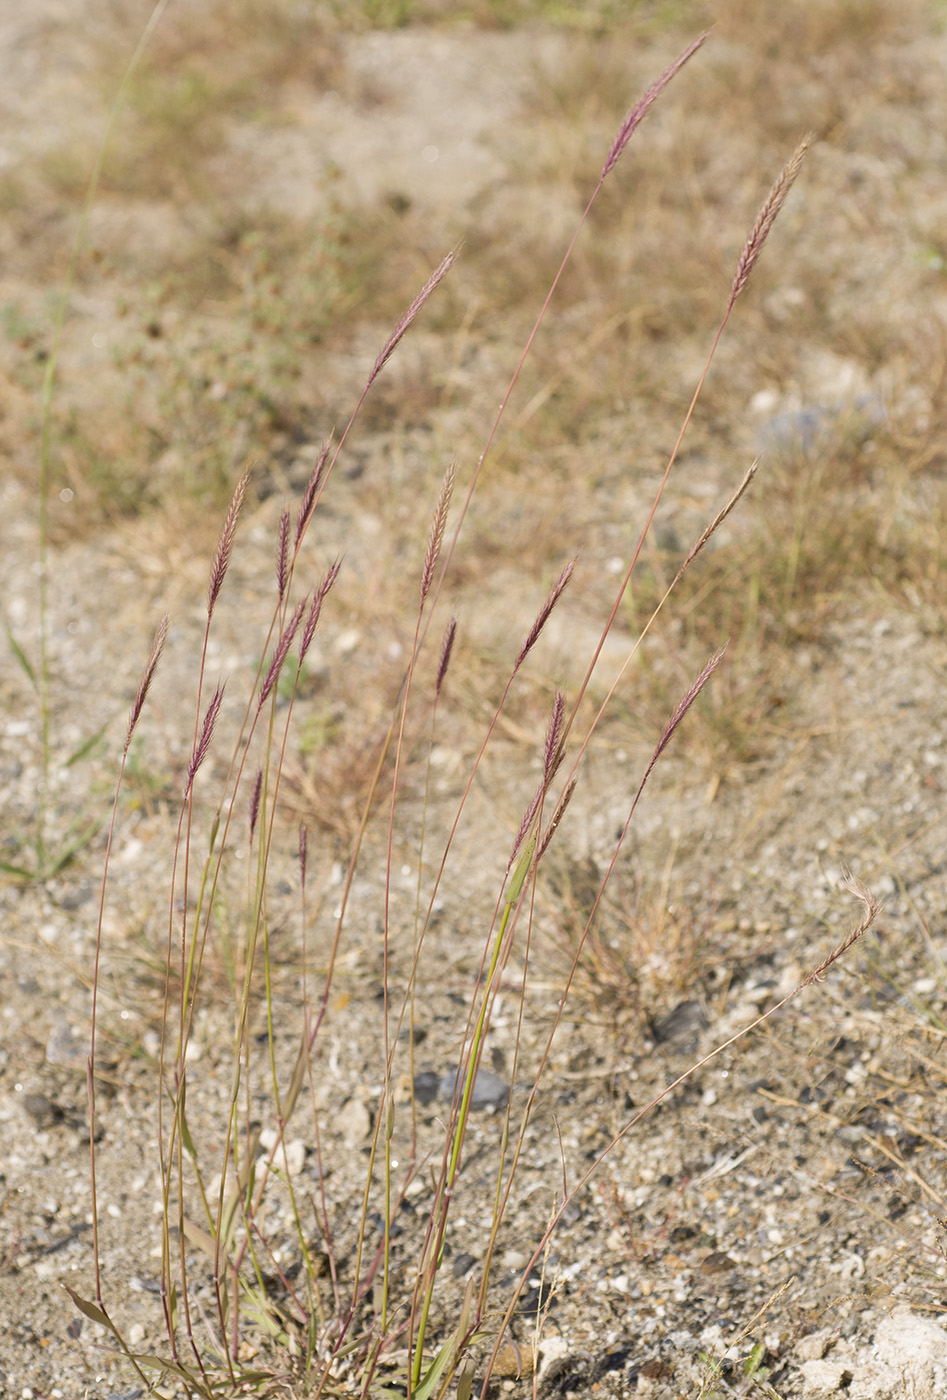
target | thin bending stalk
[{"x": 512, "y": 896}]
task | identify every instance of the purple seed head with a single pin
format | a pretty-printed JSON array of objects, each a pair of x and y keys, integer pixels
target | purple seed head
[
  {"x": 403, "y": 325},
  {"x": 552, "y": 751},
  {"x": 307, "y": 504},
  {"x": 282, "y": 554},
  {"x": 555, "y": 593},
  {"x": 279, "y": 656},
  {"x": 683, "y": 706},
  {"x": 447, "y": 646},
  {"x": 203, "y": 743},
  {"x": 641, "y": 108},
  {"x": 315, "y": 610},
  {"x": 144, "y": 684},
  {"x": 556, "y": 818},
  {"x": 526, "y": 823},
  {"x": 255, "y": 800},
  {"x": 225, "y": 544}
]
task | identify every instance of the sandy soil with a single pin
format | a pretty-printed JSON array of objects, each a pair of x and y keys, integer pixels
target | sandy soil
[{"x": 791, "y": 1192}]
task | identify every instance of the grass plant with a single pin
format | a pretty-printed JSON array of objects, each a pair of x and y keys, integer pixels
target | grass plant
[{"x": 265, "y": 1284}]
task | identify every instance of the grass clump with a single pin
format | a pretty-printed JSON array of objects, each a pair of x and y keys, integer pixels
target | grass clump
[{"x": 270, "y": 1278}]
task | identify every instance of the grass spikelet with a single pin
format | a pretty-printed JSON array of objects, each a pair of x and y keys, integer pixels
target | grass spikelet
[
  {"x": 765, "y": 219},
  {"x": 312, "y": 622},
  {"x": 552, "y": 758},
  {"x": 279, "y": 656},
  {"x": 552, "y": 752},
  {"x": 644, "y": 104},
  {"x": 282, "y": 554},
  {"x": 225, "y": 544},
  {"x": 720, "y": 517},
  {"x": 436, "y": 537},
  {"x": 315, "y": 609},
  {"x": 308, "y": 501},
  {"x": 556, "y": 818},
  {"x": 207, "y": 732},
  {"x": 683, "y": 706},
  {"x": 525, "y": 825},
  {"x": 870, "y": 907},
  {"x": 401, "y": 328},
  {"x": 255, "y": 800},
  {"x": 447, "y": 646},
  {"x": 146, "y": 679},
  {"x": 555, "y": 593}
]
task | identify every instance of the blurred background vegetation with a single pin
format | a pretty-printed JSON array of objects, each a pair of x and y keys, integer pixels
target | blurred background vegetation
[{"x": 251, "y": 243}]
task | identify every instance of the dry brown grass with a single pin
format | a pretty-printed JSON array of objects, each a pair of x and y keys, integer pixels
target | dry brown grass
[
  {"x": 235, "y": 332},
  {"x": 225, "y": 317}
]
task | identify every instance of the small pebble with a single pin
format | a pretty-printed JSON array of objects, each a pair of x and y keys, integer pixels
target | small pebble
[
  {"x": 489, "y": 1090},
  {"x": 515, "y": 1259},
  {"x": 354, "y": 1122},
  {"x": 64, "y": 1048}
]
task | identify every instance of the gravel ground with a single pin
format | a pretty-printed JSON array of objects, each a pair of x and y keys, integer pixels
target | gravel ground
[{"x": 790, "y": 1193}]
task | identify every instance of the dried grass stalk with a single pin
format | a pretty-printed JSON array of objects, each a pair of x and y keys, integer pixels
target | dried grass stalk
[{"x": 870, "y": 906}]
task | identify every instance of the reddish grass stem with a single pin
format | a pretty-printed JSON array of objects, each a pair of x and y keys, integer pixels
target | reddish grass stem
[{"x": 137, "y": 706}]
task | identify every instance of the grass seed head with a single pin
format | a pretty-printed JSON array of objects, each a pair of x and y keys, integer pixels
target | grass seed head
[
  {"x": 765, "y": 219},
  {"x": 552, "y": 752},
  {"x": 447, "y": 646},
  {"x": 225, "y": 544},
  {"x": 282, "y": 554},
  {"x": 436, "y": 536},
  {"x": 148, "y": 674},
  {"x": 279, "y": 656},
  {"x": 203, "y": 743},
  {"x": 255, "y": 800},
  {"x": 644, "y": 104},
  {"x": 557, "y": 817},
  {"x": 555, "y": 593},
  {"x": 312, "y": 491},
  {"x": 315, "y": 610},
  {"x": 409, "y": 316}
]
